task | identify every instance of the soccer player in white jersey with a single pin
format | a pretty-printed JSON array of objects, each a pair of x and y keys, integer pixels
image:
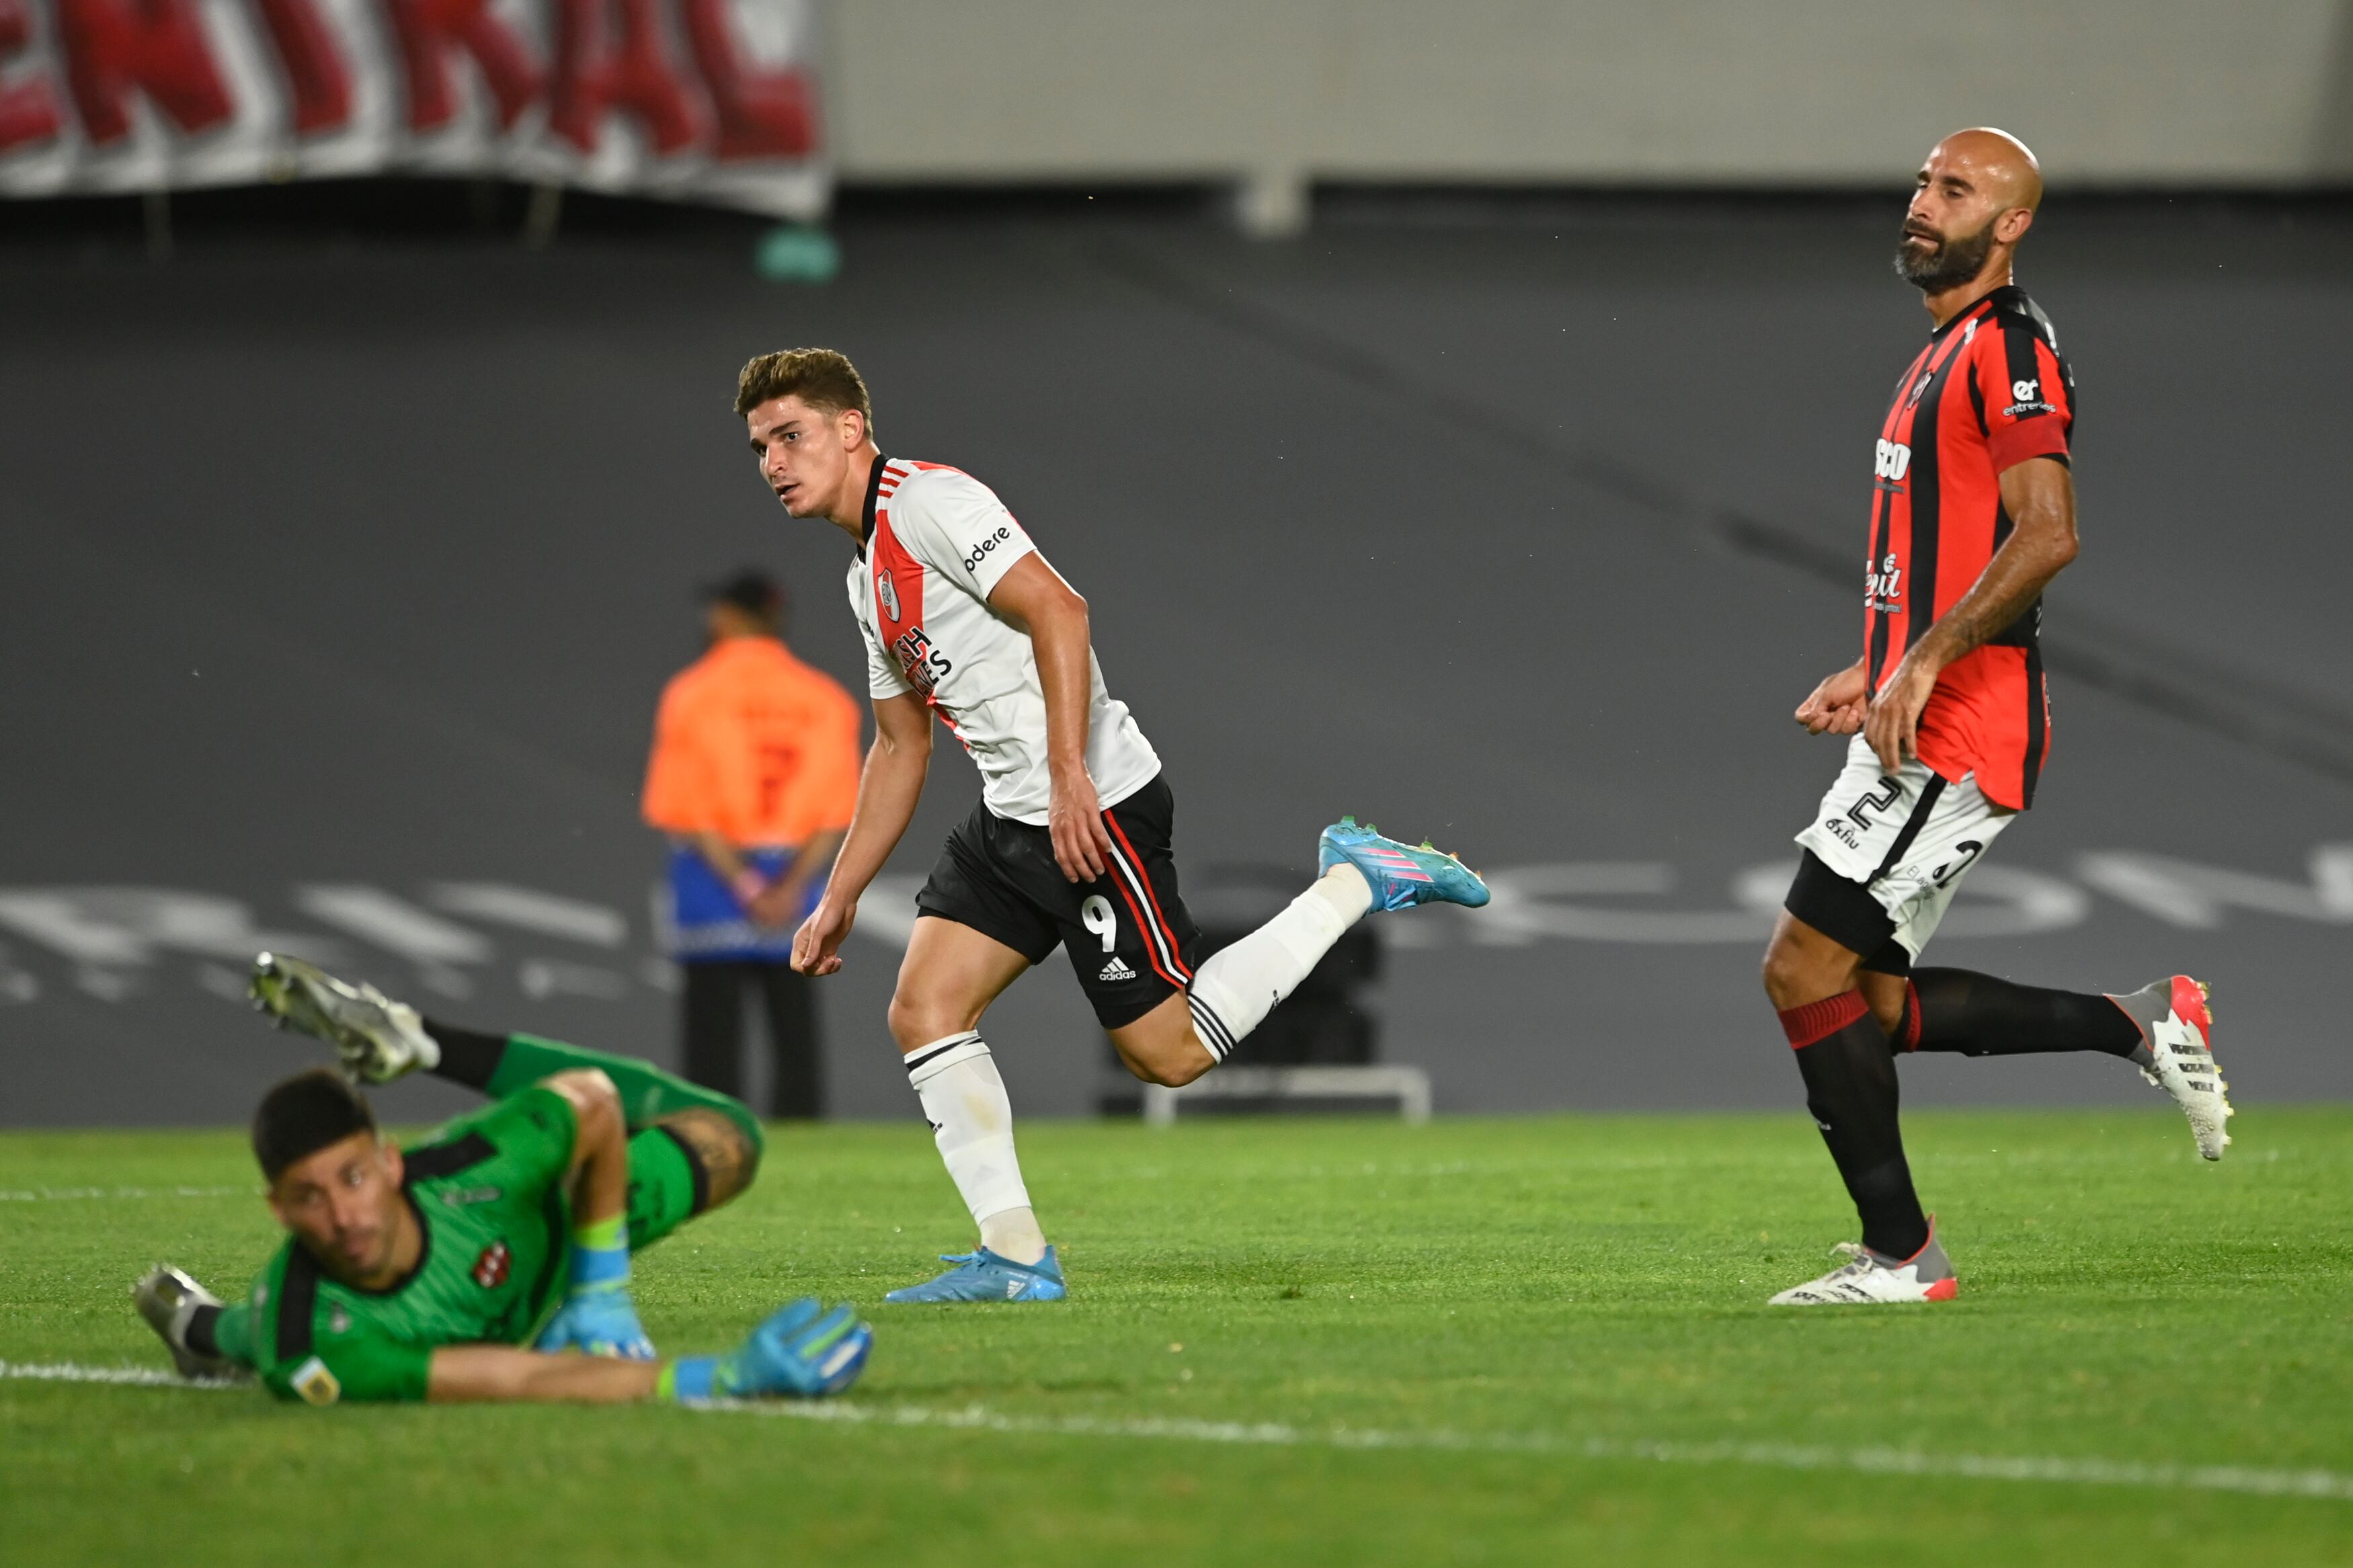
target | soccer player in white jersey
[{"x": 1070, "y": 845}]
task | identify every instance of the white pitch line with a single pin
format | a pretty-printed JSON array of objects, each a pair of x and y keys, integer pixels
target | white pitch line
[
  {"x": 69, "y": 1371},
  {"x": 2327, "y": 1485},
  {"x": 88, "y": 1194},
  {"x": 2331, "y": 1485}
]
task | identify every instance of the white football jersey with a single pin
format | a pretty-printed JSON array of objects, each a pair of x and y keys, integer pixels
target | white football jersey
[{"x": 937, "y": 541}]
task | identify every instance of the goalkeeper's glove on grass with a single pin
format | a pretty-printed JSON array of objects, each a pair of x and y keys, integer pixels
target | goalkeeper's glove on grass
[{"x": 802, "y": 1351}]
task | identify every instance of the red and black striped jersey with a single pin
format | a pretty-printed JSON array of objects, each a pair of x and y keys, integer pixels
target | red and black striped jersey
[{"x": 1989, "y": 392}]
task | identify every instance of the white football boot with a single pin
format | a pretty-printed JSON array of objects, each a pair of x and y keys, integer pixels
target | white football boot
[
  {"x": 167, "y": 1298},
  {"x": 379, "y": 1039},
  {"x": 2176, "y": 1055},
  {"x": 1868, "y": 1278}
]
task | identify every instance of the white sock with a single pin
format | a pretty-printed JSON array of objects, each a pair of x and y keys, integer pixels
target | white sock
[
  {"x": 1235, "y": 988},
  {"x": 972, "y": 1121},
  {"x": 1014, "y": 1233}
]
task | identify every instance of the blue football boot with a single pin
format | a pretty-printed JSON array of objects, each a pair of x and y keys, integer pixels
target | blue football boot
[
  {"x": 1401, "y": 875},
  {"x": 981, "y": 1275}
]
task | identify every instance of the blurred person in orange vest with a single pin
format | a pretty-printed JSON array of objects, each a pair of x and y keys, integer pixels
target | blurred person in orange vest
[{"x": 753, "y": 774}]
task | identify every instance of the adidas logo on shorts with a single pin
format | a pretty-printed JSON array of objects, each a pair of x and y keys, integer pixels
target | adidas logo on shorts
[{"x": 1116, "y": 970}]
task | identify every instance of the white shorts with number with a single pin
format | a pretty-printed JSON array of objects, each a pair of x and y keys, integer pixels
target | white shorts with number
[{"x": 1908, "y": 836}]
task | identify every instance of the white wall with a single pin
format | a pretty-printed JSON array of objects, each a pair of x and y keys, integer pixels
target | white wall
[{"x": 1694, "y": 91}]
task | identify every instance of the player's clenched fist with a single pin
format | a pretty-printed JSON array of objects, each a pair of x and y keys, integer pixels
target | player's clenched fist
[{"x": 1838, "y": 705}]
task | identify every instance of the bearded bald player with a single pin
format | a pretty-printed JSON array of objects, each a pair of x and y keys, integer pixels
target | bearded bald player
[{"x": 1973, "y": 513}]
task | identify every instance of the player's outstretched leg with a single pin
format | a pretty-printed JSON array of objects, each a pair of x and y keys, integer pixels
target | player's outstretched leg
[
  {"x": 2177, "y": 1054},
  {"x": 188, "y": 1319},
  {"x": 379, "y": 1039},
  {"x": 1400, "y": 875},
  {"x": 1358, "y": 873},
  {"x": 2165, "y": 1029}
]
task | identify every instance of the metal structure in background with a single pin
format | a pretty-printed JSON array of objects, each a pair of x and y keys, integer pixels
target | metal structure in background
[
  {"x": 1288, "y": 1092},
  {"x": 705, "y": 101}
]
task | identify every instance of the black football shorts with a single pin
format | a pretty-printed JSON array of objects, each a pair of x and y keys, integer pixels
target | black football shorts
[{"x": 1128, "y": 933}]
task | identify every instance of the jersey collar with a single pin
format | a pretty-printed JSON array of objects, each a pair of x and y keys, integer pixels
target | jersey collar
[
  {"x": 1984, "y": 305},
  {"x": 873, "y": 495}
]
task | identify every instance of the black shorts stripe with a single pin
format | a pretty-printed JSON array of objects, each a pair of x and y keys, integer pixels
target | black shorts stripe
[
  {"x": 1163, "y": 936},
  {"x": 1141, "y": 901},
  {"x": 1912, "y": 826},
  {"x": 1165, "y": 939}
]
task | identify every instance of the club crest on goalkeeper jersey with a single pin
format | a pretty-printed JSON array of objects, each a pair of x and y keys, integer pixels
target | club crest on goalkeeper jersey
[{"x": 937, "y": 541}]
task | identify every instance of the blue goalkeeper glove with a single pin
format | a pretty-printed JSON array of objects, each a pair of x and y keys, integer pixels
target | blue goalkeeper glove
[
  {"x": 803, "y": 1351},
  {"x": 598, "y": 1315}
]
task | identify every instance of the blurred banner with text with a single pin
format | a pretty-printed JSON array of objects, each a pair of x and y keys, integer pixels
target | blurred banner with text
[{"x": 703, "y": 101}]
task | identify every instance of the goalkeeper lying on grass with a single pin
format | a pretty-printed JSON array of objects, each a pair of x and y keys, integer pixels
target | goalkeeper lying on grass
[{"x": 420, "y": 1273}]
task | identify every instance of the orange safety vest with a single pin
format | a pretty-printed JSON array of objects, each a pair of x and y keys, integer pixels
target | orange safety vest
[{"x": 754, "y": 745}]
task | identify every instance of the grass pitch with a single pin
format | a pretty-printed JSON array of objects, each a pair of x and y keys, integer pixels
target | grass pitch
[{"x": 1302, "y": 1343}]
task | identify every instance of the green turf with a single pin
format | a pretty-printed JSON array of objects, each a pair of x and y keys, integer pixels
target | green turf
[{"x": 1553, "y": 1282}]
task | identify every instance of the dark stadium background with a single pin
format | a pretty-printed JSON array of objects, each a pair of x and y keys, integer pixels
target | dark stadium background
[
  {"x": 1466, "y": 427},
  {"x": 1522, "y": 524}
]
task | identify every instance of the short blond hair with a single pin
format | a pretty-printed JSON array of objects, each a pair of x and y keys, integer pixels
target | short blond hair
[{"x": 822, "y": 378}]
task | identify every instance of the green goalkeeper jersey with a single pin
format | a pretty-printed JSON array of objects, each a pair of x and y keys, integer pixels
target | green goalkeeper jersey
[{"x": 489, "y": 1193}]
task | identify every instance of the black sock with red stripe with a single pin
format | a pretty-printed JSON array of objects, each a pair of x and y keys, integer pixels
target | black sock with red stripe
[
  {"x": 1980, "y": 1016},
  {"x": 1850, "y": 1088}
]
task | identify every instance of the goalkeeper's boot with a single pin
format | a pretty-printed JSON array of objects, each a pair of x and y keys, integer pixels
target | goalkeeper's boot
[
  {"x": 1401, "y": 875},
  {"x": 981, "y": 1275},
  {"x": 2176, "y": 1055},
  {"x": 802, "y": 1351},
  {"x": 379, "y": 1039},
  {"x": 169, "y": 1300},
  {"x": 1868, "y": 1278}
]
